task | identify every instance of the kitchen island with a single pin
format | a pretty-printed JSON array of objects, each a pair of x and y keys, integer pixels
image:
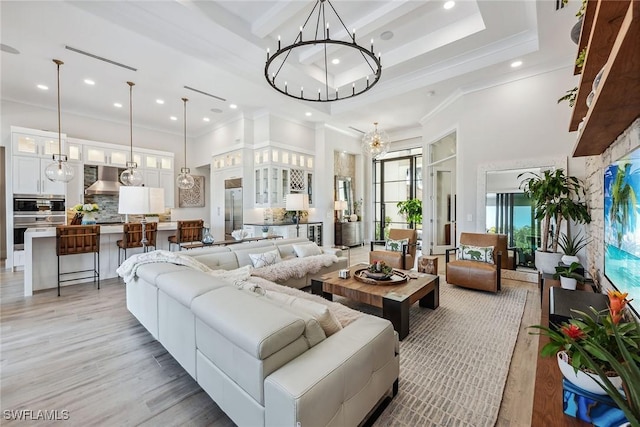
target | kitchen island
[{"x": 40, "y": 263}]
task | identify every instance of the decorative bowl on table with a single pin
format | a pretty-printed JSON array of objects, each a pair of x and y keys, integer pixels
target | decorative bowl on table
[
  {"x": 378, "y": 270},
  {"x": 239, "y": 234}
]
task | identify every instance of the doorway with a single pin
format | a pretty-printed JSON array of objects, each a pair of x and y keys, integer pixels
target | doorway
[
  {"x": 442, "y": 169},
  {"x": 396, "y": 178},
  {"x": 232, "y": 206}
]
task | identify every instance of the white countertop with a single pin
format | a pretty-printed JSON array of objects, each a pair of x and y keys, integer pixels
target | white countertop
[{"x": 37, "y": 232}]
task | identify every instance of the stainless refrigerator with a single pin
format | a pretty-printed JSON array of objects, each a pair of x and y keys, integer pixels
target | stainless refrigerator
[{"x": 232, "y": 206}]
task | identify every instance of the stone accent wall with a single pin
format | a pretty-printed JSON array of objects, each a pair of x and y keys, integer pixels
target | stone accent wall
[
  {"x": 344, "y": 164},
  {"x": 595, "y": 166},
  {"x": 108, "y": 203}
]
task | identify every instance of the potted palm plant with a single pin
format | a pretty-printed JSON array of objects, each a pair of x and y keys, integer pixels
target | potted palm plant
[{"x": 556, "y": 197}]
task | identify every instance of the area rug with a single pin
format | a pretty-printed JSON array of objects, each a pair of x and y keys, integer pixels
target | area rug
[{"x": 455, "y": 360}]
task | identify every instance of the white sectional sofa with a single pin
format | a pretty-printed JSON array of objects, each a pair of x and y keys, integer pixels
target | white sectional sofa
[
  {"x": 235, "y": 256},
  {"x": 256, "y": 357}
]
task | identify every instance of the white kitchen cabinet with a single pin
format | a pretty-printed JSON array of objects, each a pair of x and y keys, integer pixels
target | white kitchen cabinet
[
  {"x": 167, "y": 181},
  {"x": 74, "y": 151},
  {"x": 33, "y": 145},
  {"x": 161, "y": 179},
  {"x": 271, "y": 186},
  {"x": 154, "y": 161},
  {"x": 75, "y": 187},
  {"x": 95, "y": 155},
  {"x": 29, "y": 177}
]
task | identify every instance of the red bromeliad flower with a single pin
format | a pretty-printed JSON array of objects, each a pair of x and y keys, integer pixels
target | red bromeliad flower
[
  {"x": 617, "y": 303},
  {"x": 573, "y": 332}
]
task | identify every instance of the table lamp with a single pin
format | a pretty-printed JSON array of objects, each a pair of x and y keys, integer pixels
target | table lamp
[
  {"x": 140, "y": 201},
  {"x": 340, "y": 206},
  {"x": 297, "y": 203}
]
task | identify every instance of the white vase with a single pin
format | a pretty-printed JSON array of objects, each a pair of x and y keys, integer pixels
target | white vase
[
  {"x": 568, "y": 259},
  {"x": 568, "y": 283},
  {"x": 547, "y": 261},
  {"x": 353, "y": 218},
  {"x": 584, "y": 380},
  {"x": 88, "y": 218}
]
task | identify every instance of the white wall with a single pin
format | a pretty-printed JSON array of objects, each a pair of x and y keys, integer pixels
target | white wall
[{"x": 515, "y": 121}]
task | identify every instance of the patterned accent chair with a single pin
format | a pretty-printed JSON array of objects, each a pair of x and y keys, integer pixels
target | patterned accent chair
[
  {"x": 469, "y": 271},
  {"x": 400, "y": 257}
]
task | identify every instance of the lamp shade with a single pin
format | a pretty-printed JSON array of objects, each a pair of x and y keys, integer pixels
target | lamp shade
[
  {"x": 340, "y": 205},
  {"x": 140, "y": 200},
  {"x": 297, "y": 202}
]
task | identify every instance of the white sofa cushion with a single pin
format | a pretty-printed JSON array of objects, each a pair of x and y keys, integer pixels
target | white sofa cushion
[
  {"x": 258, "y": 328},
  {"x": 327, "y": 320},
  {"x": 303, "y": 250}
]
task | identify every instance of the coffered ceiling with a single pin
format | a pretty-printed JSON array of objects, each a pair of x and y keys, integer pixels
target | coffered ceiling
[{"x": 429, "y": 53}]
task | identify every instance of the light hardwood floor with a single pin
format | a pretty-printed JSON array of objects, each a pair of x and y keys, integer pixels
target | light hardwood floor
[{"x": 85, "y": 353}]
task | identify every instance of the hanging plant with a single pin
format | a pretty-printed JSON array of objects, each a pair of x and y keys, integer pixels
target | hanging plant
[
  {"x": 570, "y": 96},
  {"x": 580, "y": 59}
]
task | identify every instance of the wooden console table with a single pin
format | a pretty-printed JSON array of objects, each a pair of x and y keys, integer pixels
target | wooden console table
[{"x": 547, "y": 400}]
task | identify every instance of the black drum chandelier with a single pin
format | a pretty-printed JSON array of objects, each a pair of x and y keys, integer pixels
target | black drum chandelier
[{"x": 320, "y": 37}]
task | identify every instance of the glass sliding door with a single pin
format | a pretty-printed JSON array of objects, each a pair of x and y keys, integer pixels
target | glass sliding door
[{"x": 395, "y": 179}]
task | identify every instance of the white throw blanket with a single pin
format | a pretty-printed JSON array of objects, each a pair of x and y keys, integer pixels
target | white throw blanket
[
  {"x": 129, "y": 267},
  {"x": 294, "y": 267}
]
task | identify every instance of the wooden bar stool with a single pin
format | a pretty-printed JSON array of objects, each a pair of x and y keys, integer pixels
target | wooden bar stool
[
  {"x": 188, "y": 235},
  {"x": 76, "y": 240},
  {"x": 132, "y": 237}
]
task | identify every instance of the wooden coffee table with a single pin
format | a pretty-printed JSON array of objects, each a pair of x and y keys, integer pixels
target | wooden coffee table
[{"x": 394, "y": 300}]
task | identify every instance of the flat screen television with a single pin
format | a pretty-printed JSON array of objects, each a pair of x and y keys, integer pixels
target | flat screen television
[{"x": 622, "y": 226}]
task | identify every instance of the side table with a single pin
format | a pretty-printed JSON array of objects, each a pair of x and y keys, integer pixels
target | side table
[
  {"x": 428, "y": 264},
  {"x": 348, "y": 249}
]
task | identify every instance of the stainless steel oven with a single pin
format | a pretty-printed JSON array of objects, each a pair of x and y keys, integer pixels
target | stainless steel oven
[{"x": 30, "y": 212}]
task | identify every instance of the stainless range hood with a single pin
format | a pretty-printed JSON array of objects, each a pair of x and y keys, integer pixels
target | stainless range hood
[{"x": 107, "y": 182}]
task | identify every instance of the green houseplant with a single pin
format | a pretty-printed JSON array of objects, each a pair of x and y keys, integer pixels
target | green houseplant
[
  {"x": 571, "y": 246},
  {"x": 412, "y": 210},
  {"x": 606, "y": 345},
  {"x": 556, "y": 197},
  {"x": 568, "y": 275}
]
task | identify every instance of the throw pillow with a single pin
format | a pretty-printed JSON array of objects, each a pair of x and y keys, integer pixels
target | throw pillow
[
  {"x": 328, "y": 321},
  {"x": 306, "y": 249},
  {"x": 395, "y": 245},
  {"x": 477, "y": 253},
  {"x": 265, "y": 258}
]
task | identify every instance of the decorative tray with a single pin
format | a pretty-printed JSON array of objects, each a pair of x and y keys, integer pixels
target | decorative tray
[{"x": 396, "y": 278}]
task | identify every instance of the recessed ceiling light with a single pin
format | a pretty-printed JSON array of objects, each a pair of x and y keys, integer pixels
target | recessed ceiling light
[
  {"x": 174, "y": 118},
  {"x": 387, "y": 35},
  {"x": 335, "y": 61},
  {"x": 117, "y": 105},
  {"x": 206, "y": 119},
  {"x": 448, "y": 5},
  {"x": 308, "y": 114},
  {"x": 89, "y": 82},
  {"x": 233, "y": 106},
  {"x": 43, "y": 87},
  {"x": 160, "y": 101},
  {"x": 516, "y": 64}
]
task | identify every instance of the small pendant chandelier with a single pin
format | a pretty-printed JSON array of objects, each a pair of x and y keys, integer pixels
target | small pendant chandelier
[
  {"x": 375, "y": 143},
  {"x": 59, "y": 170},
  {"x": 131, "y": 176},
  {"x": 185, "y": 180}
]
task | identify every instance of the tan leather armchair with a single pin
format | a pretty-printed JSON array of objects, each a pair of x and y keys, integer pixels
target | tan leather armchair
[
  {"x": 405, "y": 258},
  {"x": 476, "y": 274}
]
